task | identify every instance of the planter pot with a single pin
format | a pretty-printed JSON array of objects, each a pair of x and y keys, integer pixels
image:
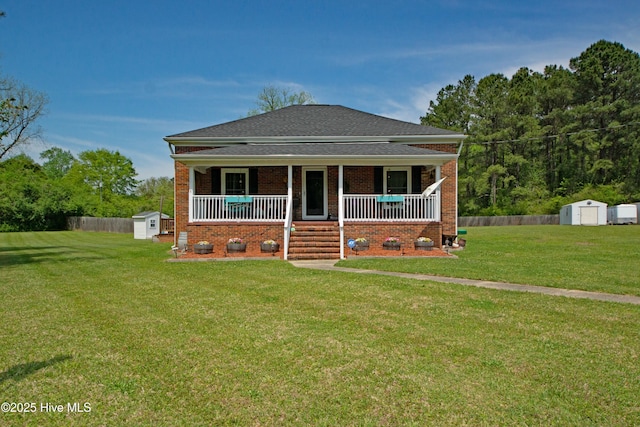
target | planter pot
[
  {"x": 202, "y": 249},
  {"x": 361, "y": 246},
  {"x": 391, "y": 246},
  {"x": 236, "y": 247},
  {"x": 423, "y": 246},
  {"x": 269, "y": 247}
]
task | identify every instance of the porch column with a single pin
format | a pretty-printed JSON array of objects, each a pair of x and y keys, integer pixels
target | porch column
[
  {"x": 341, "y": 207},
  {"x": 438, "y": 209},
  {"x": 192, "y": 190},
  {"x": 289, "y": 211}
]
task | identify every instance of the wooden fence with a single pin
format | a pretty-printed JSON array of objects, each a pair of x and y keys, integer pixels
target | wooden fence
[
  {"x": 125, "y": 225},
  {"x": 479, "y": 221},
  {"x": 109, "y": 225}
]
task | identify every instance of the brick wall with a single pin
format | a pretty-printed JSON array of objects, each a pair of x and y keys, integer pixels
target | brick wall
[
  {"x": 376, "y": 233},
  {"x": 272, "y": 180},
  {"x": 251, "y": 233},
  {"x": 358, "y": 179}
]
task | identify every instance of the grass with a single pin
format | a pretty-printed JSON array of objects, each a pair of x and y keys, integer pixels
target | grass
[
  {"x": 599, "y": 259},
  {"x": 101, "y": 319}
]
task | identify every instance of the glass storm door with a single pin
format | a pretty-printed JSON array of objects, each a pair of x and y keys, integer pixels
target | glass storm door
[{"x": 314, "y": 193}]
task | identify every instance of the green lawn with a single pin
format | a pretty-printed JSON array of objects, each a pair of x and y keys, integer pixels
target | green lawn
[
  {"x": 101, "y": 319},
  {"x": 599, "y": 259}
]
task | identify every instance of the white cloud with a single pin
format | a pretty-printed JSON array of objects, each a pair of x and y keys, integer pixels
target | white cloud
[{"x": 416, "y": 104}]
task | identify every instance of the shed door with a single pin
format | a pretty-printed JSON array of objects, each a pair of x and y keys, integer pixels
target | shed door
[{"x": 588, "y": 215}]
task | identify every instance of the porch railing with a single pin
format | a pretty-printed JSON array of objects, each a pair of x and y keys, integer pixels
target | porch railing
[
  {"x": 406, "y": 207},
  {"x": 167, "y": 225},
  {"x": 207, "y": 208},
  {"x": 357, "y": 207}
]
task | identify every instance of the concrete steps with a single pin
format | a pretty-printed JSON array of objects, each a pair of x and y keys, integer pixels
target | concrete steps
[{"x": 315, "y": 240}]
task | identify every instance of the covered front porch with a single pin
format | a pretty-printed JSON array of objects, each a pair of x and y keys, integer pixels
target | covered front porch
[{"x": 345, "y": 194}]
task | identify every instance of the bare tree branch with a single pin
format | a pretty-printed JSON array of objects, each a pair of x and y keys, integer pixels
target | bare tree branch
[{"x": 20, "y": 107}]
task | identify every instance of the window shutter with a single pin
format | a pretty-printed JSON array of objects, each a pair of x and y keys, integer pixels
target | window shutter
[
  {"x": 253, "y": 181},
  {"x": 416, "y": 179},
  {"x": 378, "y": 180},
  {"x": 216, "y": 181}
]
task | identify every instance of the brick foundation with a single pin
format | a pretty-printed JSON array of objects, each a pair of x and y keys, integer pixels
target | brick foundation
[{"x": 407, "y": 232}]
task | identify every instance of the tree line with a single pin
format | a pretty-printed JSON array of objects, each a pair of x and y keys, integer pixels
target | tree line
[
  {"x": 537, "y": 141},
  {"x": 97, "y": 183}
]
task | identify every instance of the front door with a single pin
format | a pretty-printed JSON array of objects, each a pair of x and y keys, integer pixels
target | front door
[{"x": 314, "y": 193}]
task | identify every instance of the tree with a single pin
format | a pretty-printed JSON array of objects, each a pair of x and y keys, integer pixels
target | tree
[
  {"x": 273, "y": 98},
  {"x": 538, "y": 138},
  {"x": 156, "y": 192},
  {"x": 29, "y": 200},
  {"x": 20, "y": 107},
  {"x": 452, "y": 107},
  {"x": 608, "y": 98},
  {"x": 58, "y": 162},
  {"x": 107, "y": 172}
]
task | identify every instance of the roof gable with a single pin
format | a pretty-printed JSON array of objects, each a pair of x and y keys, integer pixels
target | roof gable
[{"x": 314, "y": 121}]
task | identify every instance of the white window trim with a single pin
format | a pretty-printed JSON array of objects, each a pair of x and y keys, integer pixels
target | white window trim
[
  {"x": 407, "y": 169},
  {"x": 223, "y": 177}
]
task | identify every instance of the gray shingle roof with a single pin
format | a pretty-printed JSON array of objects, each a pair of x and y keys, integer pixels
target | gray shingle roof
[
  {"x": 313, "y": 121},
  {"x": 318, "y": 149}
]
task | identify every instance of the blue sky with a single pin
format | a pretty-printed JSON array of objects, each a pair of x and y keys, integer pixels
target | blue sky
[{"x": 122, "y": 75}]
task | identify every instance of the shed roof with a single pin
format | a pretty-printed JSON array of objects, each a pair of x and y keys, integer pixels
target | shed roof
[
  {"x": 586, "y": 202},
  {"x": 147, "y": 214}
]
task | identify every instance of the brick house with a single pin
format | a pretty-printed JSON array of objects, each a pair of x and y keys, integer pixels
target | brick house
[{"x": 328, "y": 168}]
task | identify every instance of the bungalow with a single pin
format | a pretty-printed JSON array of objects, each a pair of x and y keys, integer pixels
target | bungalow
[{"x": 312, "y": 177}]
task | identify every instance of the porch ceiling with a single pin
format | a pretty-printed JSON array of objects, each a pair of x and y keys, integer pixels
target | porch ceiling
[{"x": 315, "y": 154}]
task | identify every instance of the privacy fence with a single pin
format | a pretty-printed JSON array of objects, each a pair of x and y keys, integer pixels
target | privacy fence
[
  {"x": 125, "y": 225},
  {"x": 109, "y": 225},
  {"x": 479, "y": 221}
]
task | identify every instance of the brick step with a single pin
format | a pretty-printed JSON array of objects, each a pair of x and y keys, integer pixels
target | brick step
[
  {"x": 307, "y": 232},
  {"x": 332, "y": 232},
  {"x": 315, "y": 241},
  {"x": 314, "y": 249},
  {"x": 301, "y": 257}
]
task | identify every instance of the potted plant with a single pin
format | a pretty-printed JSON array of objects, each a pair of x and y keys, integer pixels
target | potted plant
[
  {"x": 391, "y": 244},
  {"x": 362, "y": 244},
  {"x": 236, "y": 244},
  {"x": 269, "y": 246},
  {"x": 423, "y": 244},
  {"x": 203, "y": 247}
]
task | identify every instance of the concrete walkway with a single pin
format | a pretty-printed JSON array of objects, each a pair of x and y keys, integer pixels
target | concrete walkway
[{"x": 329, "y": 265}]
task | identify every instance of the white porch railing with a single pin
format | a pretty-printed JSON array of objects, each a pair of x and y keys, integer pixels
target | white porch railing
[
  {"x": 357, "y": 207},
  {"x": 405, "y": 207},
  {"x": 207, "y": 208}
]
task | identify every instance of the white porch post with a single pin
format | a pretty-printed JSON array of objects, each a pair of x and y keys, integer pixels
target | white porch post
[
  {"x": 289, "y": 211},
  {"x": 192, "y": 187},
  {"x": 438, "y": 211},
  {"x": 341, "y": 207}
]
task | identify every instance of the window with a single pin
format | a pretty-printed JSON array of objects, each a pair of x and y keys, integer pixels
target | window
[
  {"x": 152, "y": 223},
  {"x": 235, "y": 182},
  {"x": 397, "y": 180}
]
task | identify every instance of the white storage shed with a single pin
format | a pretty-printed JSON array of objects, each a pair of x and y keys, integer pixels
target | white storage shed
[
  {"x": 622, "y": 214},
  {"x": 584, "y": 212},
  {"x": 147, "y": 224}
]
